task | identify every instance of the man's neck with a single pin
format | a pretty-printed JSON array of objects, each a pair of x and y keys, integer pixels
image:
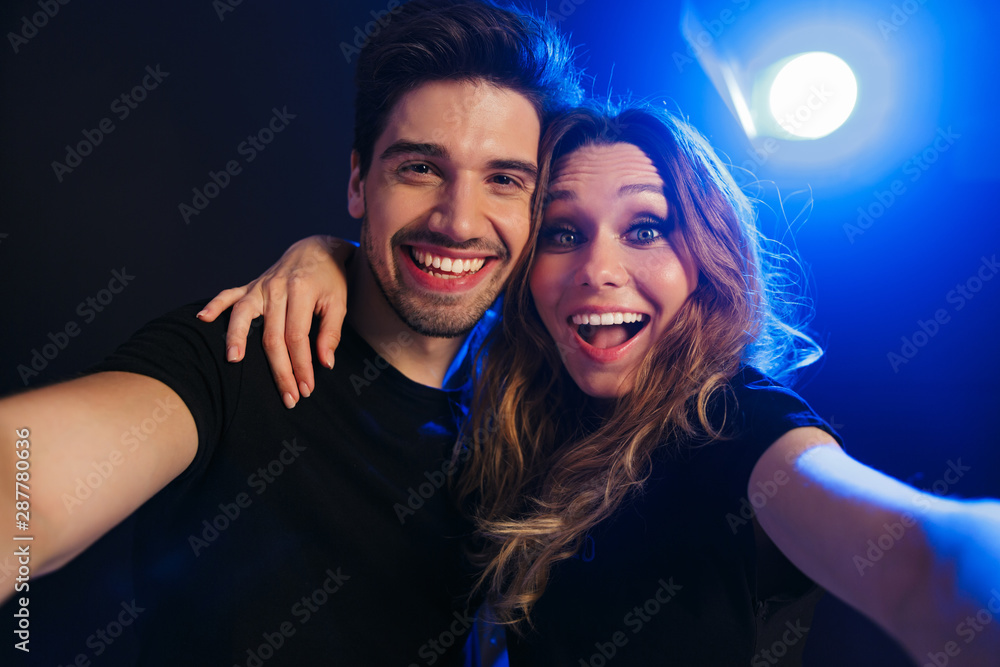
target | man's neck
[{"x": 423, "y": 359}]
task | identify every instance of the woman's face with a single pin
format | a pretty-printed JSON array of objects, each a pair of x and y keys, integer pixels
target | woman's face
[{"x": 609, "y": 272}]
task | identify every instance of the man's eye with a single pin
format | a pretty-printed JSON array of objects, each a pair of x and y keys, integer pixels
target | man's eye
[
  {"x": 505, "y": 180},
  {"x": 414, "y": 169}
]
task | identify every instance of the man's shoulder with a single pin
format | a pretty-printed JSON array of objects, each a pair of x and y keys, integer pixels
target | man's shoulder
[
  {"x": 182, "y": 322},
  {"x": 174, "y": 345}
]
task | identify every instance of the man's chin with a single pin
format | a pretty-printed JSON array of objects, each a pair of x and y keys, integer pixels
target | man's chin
[
  {"x": 434, "y": 315},
  {"x": 438, "y": 324},
  {"x": 430, "y": 332}
]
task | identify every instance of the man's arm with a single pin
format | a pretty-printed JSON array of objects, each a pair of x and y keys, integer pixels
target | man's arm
[
  {"x": 92, "y": 459},
  {"x": 916, "y": 564}
]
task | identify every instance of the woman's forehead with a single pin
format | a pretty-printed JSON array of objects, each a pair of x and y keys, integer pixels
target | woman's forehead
[
  {"x": 618, "y": 161},
  {"x": 603, "y": 167}
]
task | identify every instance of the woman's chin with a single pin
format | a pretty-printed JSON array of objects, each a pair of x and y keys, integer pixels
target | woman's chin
[{"x": 600, "y": 385}]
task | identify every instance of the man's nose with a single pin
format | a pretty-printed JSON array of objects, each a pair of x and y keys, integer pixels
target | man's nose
[{"x": 461, "y": 214}]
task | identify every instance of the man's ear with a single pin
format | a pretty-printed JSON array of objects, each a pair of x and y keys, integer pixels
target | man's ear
[{"x": 356, "y": 189}]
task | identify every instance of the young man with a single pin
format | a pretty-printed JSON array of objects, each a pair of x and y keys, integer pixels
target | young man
[{"x": 321, "y": 535}]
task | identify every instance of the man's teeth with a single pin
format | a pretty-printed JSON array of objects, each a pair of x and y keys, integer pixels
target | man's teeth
[
  {"x": 447, "y": 264},
  {"x": 595, "y": 319}
]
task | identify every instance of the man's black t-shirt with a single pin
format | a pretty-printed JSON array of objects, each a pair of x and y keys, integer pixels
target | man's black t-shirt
[
  {"x": 680, "y": 574},
  {"x": 324, "y": 534}
]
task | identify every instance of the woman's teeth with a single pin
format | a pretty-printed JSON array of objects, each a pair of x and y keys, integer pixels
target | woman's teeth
[
  {"x": 450, "y": 267},
  {"x": 607, "y": 330},
  {"x": 597, "y": 319}
]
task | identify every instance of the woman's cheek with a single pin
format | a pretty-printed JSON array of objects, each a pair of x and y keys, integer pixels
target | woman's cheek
[
  {"x": 543, "y": 282},
  {"x": 536, "y": 281}
]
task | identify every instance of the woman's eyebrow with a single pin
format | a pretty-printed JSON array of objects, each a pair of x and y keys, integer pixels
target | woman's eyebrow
[
  {"x": 623, "y": 191},
  {"x": 639, "y": 188},
  {"x": 560, "y": 195}
]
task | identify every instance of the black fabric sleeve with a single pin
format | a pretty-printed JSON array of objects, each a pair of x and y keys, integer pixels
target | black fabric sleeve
[
  {"x": 771, "y": 410},
  {"x": 784, "y": 597},
  {"x": 188, "y": 356}
]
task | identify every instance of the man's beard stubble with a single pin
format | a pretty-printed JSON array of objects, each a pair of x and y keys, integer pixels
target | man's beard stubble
[{"x": 435, "y": 315}]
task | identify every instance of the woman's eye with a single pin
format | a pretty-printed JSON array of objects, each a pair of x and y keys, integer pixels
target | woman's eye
[
  {"x": 559, "y": 238},
  {"x": 644, "y": 234}
]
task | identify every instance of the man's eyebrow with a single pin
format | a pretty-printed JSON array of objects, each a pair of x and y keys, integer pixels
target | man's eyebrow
[
  {"x": 402, "y": 147},
  {"x": 437, "y": 150},
  {"x": 527, "y": 168}
]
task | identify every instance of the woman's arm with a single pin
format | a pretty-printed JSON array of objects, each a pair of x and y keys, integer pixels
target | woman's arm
[
  {"x": 310, "y": 278},
  {"x": 925, "y": 568}
]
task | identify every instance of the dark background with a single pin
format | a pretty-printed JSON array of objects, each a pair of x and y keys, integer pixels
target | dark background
[{"x": 60, "y": 241}]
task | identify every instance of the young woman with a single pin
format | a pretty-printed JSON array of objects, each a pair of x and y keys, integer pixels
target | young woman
[{"x": 643, "y": 489}]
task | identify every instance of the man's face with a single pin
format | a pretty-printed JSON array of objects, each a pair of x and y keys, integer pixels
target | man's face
[{"x": 446, "y": 201}]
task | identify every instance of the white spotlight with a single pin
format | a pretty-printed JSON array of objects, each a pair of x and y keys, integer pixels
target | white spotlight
[{"x": 813, "y": 94}]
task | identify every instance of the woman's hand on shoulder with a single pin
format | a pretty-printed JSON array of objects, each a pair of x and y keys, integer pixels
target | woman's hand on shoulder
[{"x": 309, "y": 279}]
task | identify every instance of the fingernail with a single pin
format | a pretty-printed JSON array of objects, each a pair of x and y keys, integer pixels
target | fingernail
[
  {"x": 200, "y": 314},
  {"x": 329, "y": 360},
  {"x": 289, "y": 401},
  {"x": 232, "y": 353},
  {"x": 304, "y": 389}
]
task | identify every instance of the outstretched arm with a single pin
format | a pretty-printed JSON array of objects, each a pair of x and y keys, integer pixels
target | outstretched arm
[
  {"x": 310, "y": 278},
  {"x": 83, "y": 471},
  {"x": 918, "y": 565}
]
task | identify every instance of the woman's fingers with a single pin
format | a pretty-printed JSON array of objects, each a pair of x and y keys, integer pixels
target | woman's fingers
[
  {"x": 299, "y": 314},
  {"x": 330, "y": 328},
  {"x": 333, "y": 306},
  {"x": 275, "y": 314},
  {"x": 309, "y": 279},
  {"x": 222, "y": 300},
  {"x": 248, "y": 308}
]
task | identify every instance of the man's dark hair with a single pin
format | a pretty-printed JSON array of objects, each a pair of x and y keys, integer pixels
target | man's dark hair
[{"x": 460, "y": 40}]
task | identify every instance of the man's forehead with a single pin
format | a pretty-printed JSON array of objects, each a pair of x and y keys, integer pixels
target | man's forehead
[
  {"x": 472, "y": 116},
  {"x": 460, "y": 95}
]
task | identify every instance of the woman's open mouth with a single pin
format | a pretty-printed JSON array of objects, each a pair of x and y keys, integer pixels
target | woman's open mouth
[{"x": 608, "y": 330}]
